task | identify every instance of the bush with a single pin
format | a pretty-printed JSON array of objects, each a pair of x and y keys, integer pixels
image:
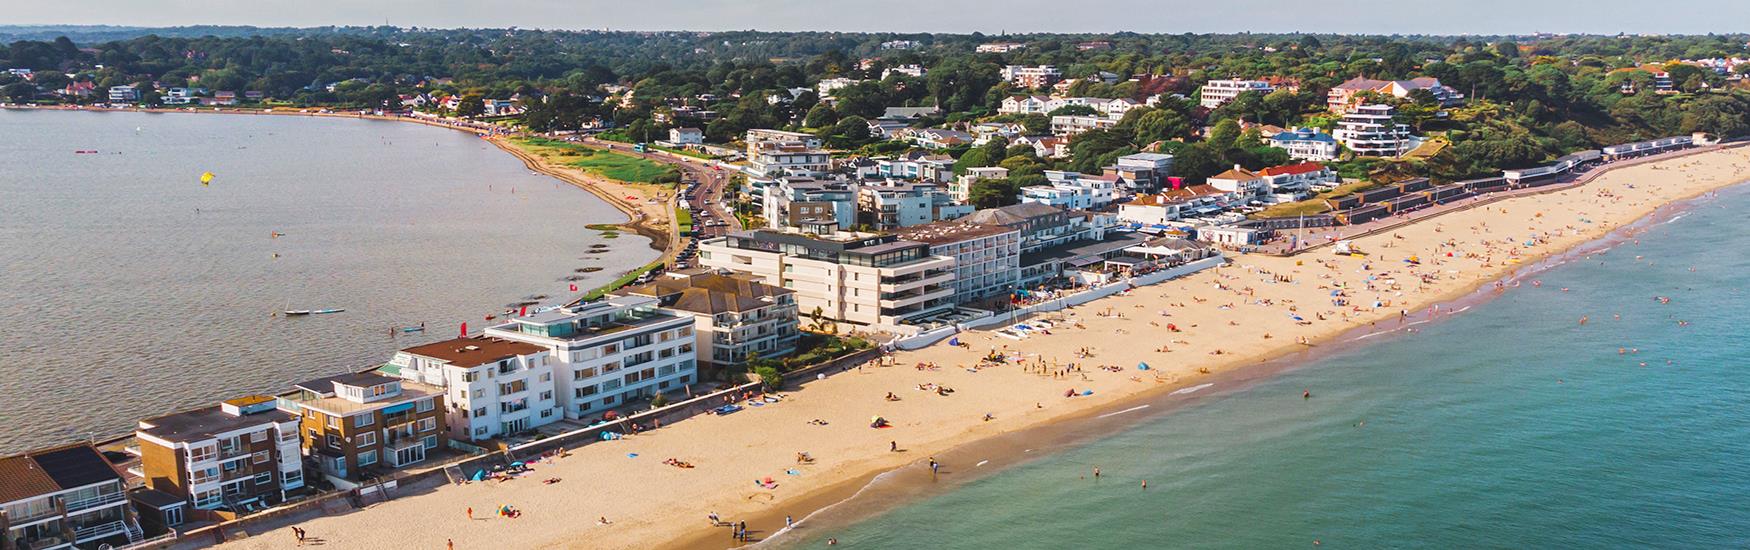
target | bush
[
  {"x": 770, "y": 378},
  {"x": 659, "y": 401}
]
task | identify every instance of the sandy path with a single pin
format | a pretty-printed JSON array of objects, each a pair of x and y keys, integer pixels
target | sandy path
[{"x": 1234, "y": 315}]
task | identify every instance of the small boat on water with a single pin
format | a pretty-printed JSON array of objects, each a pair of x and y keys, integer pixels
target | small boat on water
[
  {"x": 413, "y": 329},
  {"x": 302, "y": 312}
]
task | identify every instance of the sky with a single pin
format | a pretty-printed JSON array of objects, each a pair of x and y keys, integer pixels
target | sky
[{"x": 952, "y": 16}]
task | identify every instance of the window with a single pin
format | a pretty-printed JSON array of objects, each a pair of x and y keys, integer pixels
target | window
[
  {"x": 480, "y": 431},
  {"x": 425, "y": 405},
  {"x": 610, "y": 367},
  {"x": 586, "y": 391},
  {"x": 430, "y": 442},
  {"x": 230, "y": 445},
  {"x": 611, "y": 385},
  {"x": 364, "y": 420},
  {"x": 471, "y": 377},
  {"x": 367, "y": 458},
  {"x": 292, "y": 478},
  {"x": 546, "y": 413},
  {"x": 333, "y": 441},
  {"x": 208, "y": 499},
  {"x": 260, "y": 457},
  {"x": 583, "y": 374},
  {"x": 334, "y": 422},
  {"x": 611, "y": 349},
  {"x": 686, "y": 331},
  {"x": 546, "y": 377},
  {"x": 547, "y": 395},
  {"x": 204, "y": 452},
  {"x": 233, "y": 466},
  {"x": 365, "y": 439},
  {"x": 258, "y": 437},
  {"x": 427, "y": 424},
  {"x": 264, "y": 478},
  {"x": 479, "y": 412},
  {"x": 512, "y": 387},
  {"x": 203, "y": 475},
  {"x": 479, "y": 393},
  {"x": 609, "y": 400}
]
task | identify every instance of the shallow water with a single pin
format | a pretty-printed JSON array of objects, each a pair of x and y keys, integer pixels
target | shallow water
[
  {"x": 1508, "y": 426},
  {"x": 128, "y": 289}
]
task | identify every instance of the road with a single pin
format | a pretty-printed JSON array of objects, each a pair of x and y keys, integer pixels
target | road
[{"x": 706, "y": 200}]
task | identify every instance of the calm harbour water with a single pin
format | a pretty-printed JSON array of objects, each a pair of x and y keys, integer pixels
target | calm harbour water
[
  {"x": 1507, "y": 426},
  {"x": 128, "y": 289}
]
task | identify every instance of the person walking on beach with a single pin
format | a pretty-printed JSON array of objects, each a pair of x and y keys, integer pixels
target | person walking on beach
[
  {"x": 934, "y": 466},
  {"x": 893, "y": 446},
  {"x": 788, "y": 522},
  {"x": 470, "y": 513},
  {"x": 450, "y": 543}
]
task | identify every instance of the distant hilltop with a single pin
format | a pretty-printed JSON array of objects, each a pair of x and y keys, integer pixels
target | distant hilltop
[{"x": 93, "y": 34}]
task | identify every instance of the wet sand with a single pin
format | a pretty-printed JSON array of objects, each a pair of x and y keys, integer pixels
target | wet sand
[{"x": 1231, "y": 323}]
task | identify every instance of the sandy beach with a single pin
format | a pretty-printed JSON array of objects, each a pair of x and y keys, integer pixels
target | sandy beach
[{"x": 1188, "y": 330}]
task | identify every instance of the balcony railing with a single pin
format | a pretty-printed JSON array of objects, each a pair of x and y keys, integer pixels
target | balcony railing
[
  {"x": 74, "y": 506},
  {"x": 99, "y": 530}
]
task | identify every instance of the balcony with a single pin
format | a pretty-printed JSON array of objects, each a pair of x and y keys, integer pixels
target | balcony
[
  {"x": 75, "y": 506},
  {"x": 99, "y": 530}
]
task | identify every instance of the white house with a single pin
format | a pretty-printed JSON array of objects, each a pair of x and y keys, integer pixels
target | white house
[
  {"x": 1306, "y": 144},
  {"x": 686, "y": 136},
  {"x": 1217, "y": 92},
  {"x": 1025, "y": 105}
]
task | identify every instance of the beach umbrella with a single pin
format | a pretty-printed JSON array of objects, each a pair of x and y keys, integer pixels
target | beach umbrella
[
  {"x": 206, "y": 178},
  {"x": 516, "y": 464},
  {"x": 954, "y": 341},
  {"x": 1141, "y": 365},
  {"x": 479, "y": 475},
  {"x": 1296, "y": 317}
]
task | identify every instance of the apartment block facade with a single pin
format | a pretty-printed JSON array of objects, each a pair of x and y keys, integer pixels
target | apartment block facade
[
  {"x": 353, "y": 424},
  {"x": 859, "y": 278},
  {"x": 734, "y": 315},
  {"x": 493, "y": 387},
  {"x": 66, "y": 497},
  {"x": 238, "y": 455},
  {"x": 608, "y": 352}
]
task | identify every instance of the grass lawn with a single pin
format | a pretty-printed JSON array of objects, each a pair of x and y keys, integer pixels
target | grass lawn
[
  {"x": 607, "y": 164},
  {"x": 683, "y": 218},
  {"x": 620, "y": 282}
]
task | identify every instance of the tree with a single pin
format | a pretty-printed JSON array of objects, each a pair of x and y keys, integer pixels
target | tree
[
  {"x": 993, "y": 192},
  {"x": 1223, "y": 135},
  {"x": 770, "y": 378},
  {"x": 470, "y": 106},
  {"x": 1197, "y": 162},
  {"x": 974, "y": 158},
  {"x": 820, "y": 116},
  {"x": 1161, "y": 125}
]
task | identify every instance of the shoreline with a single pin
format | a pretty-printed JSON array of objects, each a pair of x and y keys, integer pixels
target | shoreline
[
  {"x": 907, "y": 483},
  {"x": 868, "y": 496},
  {"x": 659, "y": 241},
  {"x": 652, "y": 505}
]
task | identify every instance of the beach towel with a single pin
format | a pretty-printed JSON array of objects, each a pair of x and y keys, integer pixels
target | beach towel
[
  {"x": 631, "y": 455},
  {"x": 793, "y": 472}
]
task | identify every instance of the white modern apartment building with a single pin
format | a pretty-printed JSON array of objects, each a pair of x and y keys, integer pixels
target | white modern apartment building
[
  {"x": 494, "y": 387},
  {"x": 827, "y": 86},
  {"x": 1032, "y": 77},
  {"x": 1073, "y": 190},
  {"x": 1069, "y": 125},
  {"x": 1000, "y": 47},
  {"x": 859, "y": 278},
  {"x": 64, "y": 498},
  {"x": 793, "y": 158},
  {"x": 765, "y": 135},
  {"x": 1370, "y": 131},
  {"x": 912, "y": 70},
  {"x": 987, "y": 258},
  {"x": 1025, "y": 105},
  {"x": 123, "y": 94},
  {"x": 735, "y": 316},
  {"x": 1306, "y": 144},
  {"x": 1217, "y": 92},
  {"x": 892, "y": 205},
  {"x": 611, "y": 351},
  {"x": 794, "y": 202}
]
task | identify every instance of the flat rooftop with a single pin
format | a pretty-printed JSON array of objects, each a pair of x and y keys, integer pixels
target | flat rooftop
[
  {"x": 480, "y": 350},
  {"x": 950, "y": 231},
  {"x": 206, "y": 422},
  {"x": 410, "y": 391}
]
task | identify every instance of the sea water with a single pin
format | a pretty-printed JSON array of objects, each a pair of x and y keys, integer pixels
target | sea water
[
  {"x": 1511, "y": 425},
  {"x": 128, "y": 289}
]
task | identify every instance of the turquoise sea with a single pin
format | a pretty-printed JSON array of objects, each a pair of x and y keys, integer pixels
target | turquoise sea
[{"x": 1510, "y": 425}]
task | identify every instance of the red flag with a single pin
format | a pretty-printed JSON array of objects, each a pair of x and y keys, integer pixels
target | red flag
[
  {"x": 524, "y": 312},
  {"x": 464, "y": 330},
  {"x": 574, "y": 288},
  {"x": 1177, "y": 181}
]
